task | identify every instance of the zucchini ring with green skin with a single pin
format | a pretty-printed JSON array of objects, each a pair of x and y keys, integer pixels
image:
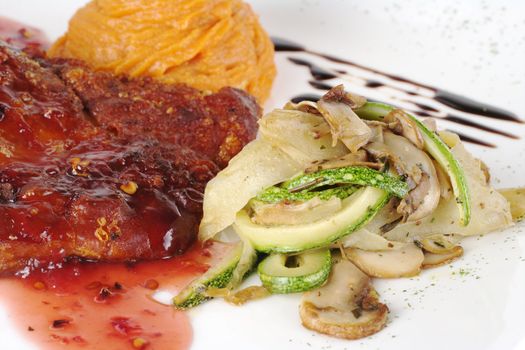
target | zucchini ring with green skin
[
  {"x": 357, "y": 210},
  {"x": 353, "y": 175},
  {"x": 312, "y": 271},
  {"x": 435, "y": 147},
  {"x": 277, "y": 194},
  {"x": 218, "y": 276}
]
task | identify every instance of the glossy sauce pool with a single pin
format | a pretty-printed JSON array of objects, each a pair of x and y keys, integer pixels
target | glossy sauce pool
[{"x": 105, "y": 306}]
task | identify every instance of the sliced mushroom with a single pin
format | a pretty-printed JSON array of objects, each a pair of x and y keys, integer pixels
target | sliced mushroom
[
  {"x": 401, "y": 261},
  {"x": 377, "y": 128},
  {"x": 434, "y": 260},
  {"x": 366, "y": 240},
  {"x": 516, "y": 198},
  {"x": 347, "y": 306},
  {"x": 400, "y": 123},
  {"x": 424, "y": 198},
  {"x": 358, "y": 158},
  {"x": 415, "y": 199},
  {"x": 438, "y": 243},
  {"x": 338, "y": 94},
  {"x": 345, "y": 125},
  {"x": 293, "y": 213}
]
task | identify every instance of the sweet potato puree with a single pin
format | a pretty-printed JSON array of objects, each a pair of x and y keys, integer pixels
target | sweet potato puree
[{"x": 207, "y": 44}]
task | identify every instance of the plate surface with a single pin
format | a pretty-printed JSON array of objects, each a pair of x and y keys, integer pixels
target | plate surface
[{"x": 473, "y": 48}]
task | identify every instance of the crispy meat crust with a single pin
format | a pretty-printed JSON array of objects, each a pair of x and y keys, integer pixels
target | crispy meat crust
[{"x": 103, "y": 167}]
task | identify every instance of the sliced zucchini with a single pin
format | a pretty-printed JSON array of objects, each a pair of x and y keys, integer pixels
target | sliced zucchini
[
  {"x": 218, "y": 276},
  {"x": 292, "y": 213},
  {"x": 353, "y": 175},
  {"x": 245, "y": 266},
  {"x": 435, "y": 147},
  {"x": 277, "y": 194},
  {"x": 309, "y": 270},
  {"x": 357, "y": 210}
]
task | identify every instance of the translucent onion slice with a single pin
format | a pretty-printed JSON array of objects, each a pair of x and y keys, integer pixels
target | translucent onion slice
[{"x": 289, "y": 142}]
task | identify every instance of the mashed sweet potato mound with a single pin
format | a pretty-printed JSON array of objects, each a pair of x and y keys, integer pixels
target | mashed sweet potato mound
[{"x": 207, "y": 44}]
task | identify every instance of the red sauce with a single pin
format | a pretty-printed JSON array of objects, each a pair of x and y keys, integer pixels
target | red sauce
[
  {"x": 95, "y": 167},
  {"x": 104, "y": 305},
  {"x": 22, "y": 35}
]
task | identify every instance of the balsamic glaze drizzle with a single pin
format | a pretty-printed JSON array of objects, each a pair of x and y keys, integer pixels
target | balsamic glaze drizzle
[
  {"x": 451, "y": 100},
  {"x": 305, "y": 97}
]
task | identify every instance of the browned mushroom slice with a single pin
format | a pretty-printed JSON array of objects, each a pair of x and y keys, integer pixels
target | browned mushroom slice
[
  {"x": 347, "y": 306},
  {"x": 424, "y": 198},
  {"x": 434, "y": 260},
  {"x": 345, "y": 125},
  {"x": 367, "y": 240},
  {"x": 439, "y": 243},
  {"x": 400, "y": 261},
  {"x": 400, "y": 123},
  {"x": 516, "y": 198}
]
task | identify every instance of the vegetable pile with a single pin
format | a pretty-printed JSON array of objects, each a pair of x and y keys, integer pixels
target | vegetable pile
[{"x": 335, "y": 193}]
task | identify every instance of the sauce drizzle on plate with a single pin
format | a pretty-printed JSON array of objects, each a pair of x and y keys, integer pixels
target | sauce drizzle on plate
[{"x": 86, "y": 305}]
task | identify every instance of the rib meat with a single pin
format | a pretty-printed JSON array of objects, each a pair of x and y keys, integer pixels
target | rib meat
[{"x": 103, "y": 167}]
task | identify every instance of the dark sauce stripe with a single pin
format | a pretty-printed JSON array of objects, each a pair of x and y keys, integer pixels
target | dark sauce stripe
[
  {"x": 444, "y": 97},
  {"x": 317, "y": 72},
  {"x": 425, "y": 107},
  {"x": 319, "y": 85},
  {"x": 305, "y": 97},
  {"x": 374, "y": 84},
  {"x": 468, "y": 105},
  {"x": 467, "y": 122}
]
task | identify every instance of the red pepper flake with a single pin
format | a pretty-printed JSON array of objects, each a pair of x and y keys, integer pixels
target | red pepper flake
[
  {"x": 140, "y": 343},
  {"x": 129, "y": 187},
  {"x": 118, "y": 286},
  {"x": 151, "y": 284},
  {"x": 39, "y": 285}
]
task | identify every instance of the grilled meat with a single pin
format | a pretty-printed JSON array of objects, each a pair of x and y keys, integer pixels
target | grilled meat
[{"x": 103, "y": 167}]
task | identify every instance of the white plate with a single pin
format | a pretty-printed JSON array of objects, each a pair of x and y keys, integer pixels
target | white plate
[{"x": 473, "y": 48}]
